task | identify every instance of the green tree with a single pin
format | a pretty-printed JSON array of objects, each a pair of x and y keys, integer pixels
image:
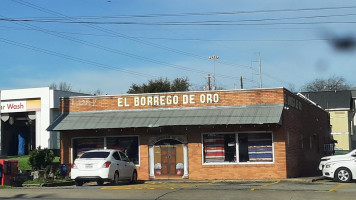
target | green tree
[
  {"x": 180, "y": 84},
  {"x": 160, "y": 85},
  {"x": 41, "y": 158}
]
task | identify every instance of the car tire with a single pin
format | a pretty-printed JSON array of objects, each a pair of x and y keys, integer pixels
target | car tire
[
  {"x": 343, "y": 174},
  {"x": 78, "y": 183},
  {"x": 116, "y": 178},
  {"x": 100, "y": 182},
  {"x": 134, "y": 177}
]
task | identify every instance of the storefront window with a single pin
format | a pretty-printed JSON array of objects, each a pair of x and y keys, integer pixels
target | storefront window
[
  {"x": 129, "y": 145},
  {"x": 247, "y": 147},
  {"x": 83, "y": 145},
  {"x": 219, "y": 148}
]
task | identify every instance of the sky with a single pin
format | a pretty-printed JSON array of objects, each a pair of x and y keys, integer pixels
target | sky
[{"x": 108, "y": 45}]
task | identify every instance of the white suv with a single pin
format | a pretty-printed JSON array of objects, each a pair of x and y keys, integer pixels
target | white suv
[
  {"x": 103, "y": 165},
  {"x": 341, "y": 168}
]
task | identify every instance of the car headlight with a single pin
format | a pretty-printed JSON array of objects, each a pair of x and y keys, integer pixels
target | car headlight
[{"x": 328, "y": 165}]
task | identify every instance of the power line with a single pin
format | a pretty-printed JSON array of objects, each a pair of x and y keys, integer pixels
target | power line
[
  {"x": 122, "y": 36},
  {"x": 181, "y": 39},
  {"x": 202, "y": 13},
  {"x": 199, "y": 23},
  {"x": 120, "y": 52},
  {"x": 68, "y": 57}
]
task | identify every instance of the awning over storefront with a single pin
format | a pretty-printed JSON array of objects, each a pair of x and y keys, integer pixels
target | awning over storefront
[{"x": 224, "y": 115}]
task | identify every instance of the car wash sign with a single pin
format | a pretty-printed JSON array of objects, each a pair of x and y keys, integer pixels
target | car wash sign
[{"x": 13, "y": 106}]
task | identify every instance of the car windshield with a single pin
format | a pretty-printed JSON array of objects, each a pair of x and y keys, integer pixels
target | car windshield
[{"x": 95, "y": 155}]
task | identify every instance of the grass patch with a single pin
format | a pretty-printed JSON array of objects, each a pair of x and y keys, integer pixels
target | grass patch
[
  {"x": 5, "y": 187},
  {"x": 41, "y": 181},
  {"x": 23, "y": 161}
]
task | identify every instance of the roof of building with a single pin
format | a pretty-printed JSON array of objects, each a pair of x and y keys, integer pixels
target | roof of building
[
  {"x": 223, "y": 115},
  {"x": 332, "y": 99}
]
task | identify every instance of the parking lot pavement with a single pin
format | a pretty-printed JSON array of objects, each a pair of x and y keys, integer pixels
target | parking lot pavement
[{"x": 301, "y": 184}]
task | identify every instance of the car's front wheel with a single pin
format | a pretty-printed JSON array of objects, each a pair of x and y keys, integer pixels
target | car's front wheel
[
  {"x": 100, "y": 182},
  {"x": 133, "y": 177},
  {"x": 343, "y": 175},
  {"x": 78, "y": 183}
]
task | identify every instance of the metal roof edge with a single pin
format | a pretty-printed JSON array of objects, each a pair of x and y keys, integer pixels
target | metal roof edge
[
  {"x": 181, "y": 92},
  {"x": 180, "y": 108}
]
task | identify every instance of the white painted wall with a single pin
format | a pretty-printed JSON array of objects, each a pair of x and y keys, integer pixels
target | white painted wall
[{"x": 49, "y": 110}]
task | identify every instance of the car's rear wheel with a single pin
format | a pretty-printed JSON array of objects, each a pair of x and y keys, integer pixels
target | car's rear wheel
[
  {"x": 116, "y": 178},
  {"x": 133, "y": 177},
  {"x": 343, "y": 175},
  {"x": 78, "y": 183},
  {"x": 100, "y": 182}
]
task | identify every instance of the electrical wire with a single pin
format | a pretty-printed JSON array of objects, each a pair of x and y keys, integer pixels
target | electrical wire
[
  {"x": 129, "y": 38},
  {"x": 76, "y": 59},
  {"x": 205, "y": 13},
  {"x": 197, "y": 23}
]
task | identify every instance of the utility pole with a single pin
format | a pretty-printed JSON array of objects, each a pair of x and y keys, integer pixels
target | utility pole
[
  {"x": 214, "y": 57},
  {"x": 209, "y": 84},
  {"x": 259, "y": 61},
  {"x": 260, "y": 68},
  {"x": 242, "y": 84}
]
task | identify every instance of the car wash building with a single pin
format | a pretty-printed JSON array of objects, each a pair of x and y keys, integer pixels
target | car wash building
[
  {"x": 25, "y": 116},
  {"x": 233, "y": 134}
]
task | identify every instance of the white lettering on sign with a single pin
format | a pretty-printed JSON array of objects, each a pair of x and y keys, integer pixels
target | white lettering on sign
[
  {"x": 13, "y": 106},
  {"x": 122, "y": 102},
  {"x": 166, "y": 100},
  {"x": 209, "y": 98},
  {"x": 84, "y": 102}
]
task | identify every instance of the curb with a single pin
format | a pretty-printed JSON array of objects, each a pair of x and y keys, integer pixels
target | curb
[
  {"x": 67, "y": 183},
  {"x": 295, "y": 180}
]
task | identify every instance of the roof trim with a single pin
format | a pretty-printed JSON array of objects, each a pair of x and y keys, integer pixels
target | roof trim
[{"x": 148, "y": 118}]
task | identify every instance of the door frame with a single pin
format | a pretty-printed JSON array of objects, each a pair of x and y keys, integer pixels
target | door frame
[{"x": 151, "y": 155}]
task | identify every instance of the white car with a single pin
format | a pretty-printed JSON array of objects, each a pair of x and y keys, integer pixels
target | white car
[
  {"x": 103, "y": 165},
  {"x": 341, "y": 168}
]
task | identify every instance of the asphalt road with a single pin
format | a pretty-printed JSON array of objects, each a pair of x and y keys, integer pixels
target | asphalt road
[{"x": 274, "y": 189}]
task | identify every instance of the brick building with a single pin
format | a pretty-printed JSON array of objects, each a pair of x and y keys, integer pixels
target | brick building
[{"x": 234, "y": 134}]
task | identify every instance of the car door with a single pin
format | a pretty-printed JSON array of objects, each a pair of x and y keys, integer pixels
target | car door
[
  {"x": 120, "y": 165},
  {"x": 127, "y": 165},
  {"x": 353, "y": 165}
]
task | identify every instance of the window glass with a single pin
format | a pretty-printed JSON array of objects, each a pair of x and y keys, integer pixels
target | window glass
[
  {"x": 124, "y": 157},
  {"x": 252, "y": 147},
  {"x": 116, "y": 156},
  {"x": 129, "y": 145},
  {"x": 256, "y": 147},
  {"x": 82, "y": 145},
  {"x": 219, "y": 148},
  {"x": 95, "y": 155}
]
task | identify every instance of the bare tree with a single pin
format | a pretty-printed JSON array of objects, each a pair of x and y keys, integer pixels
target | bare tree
[
  {"x": 98, "y": 92},
  {"x": 64, "y": 86},
  {"x": 330, "y": 84}
]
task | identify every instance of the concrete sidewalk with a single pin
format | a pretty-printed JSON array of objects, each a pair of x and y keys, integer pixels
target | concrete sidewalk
[{"x": 295, "y": 180}]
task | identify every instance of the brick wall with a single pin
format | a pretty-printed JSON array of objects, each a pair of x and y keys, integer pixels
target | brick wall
[
  {"x": 298, "y": 143},
  {"x": 193, "y": 99},
  {"x": 306, "y": 131},
  {"x": 67, "y": 136},
  {"x": 198, "y": 171}
]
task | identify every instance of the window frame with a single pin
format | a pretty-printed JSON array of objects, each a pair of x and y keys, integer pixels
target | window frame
[
  {"x": 105, "y": 145},
  {"x": 237, "y": 162}
]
